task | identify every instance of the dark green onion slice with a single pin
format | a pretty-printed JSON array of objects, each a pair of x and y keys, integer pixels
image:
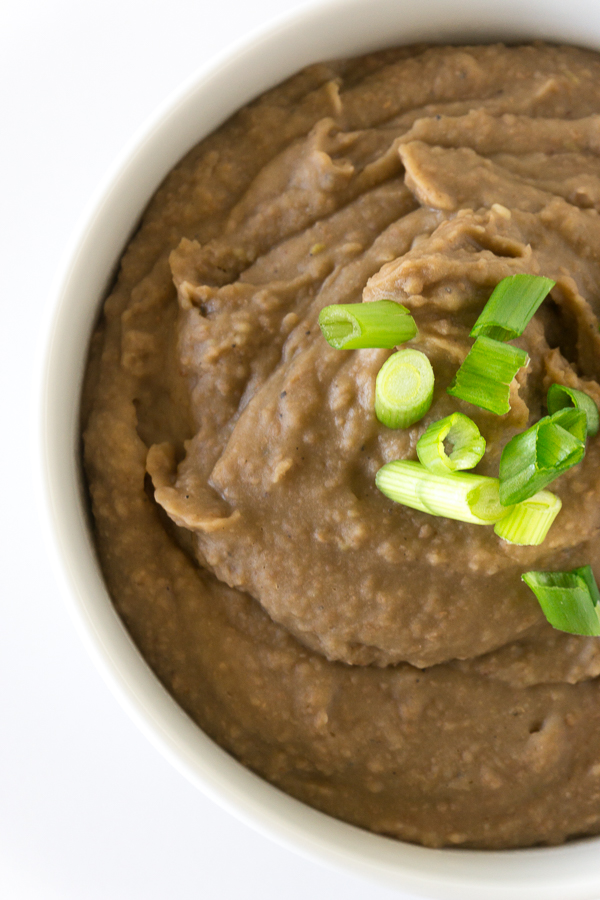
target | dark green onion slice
[
  {"x": 588, "y": 576},
  {"x": 463, "y": 496},
  {"x": 464, "y": 436},
  {"x": 572, "y": 421},
  {"x": 568, "y": 599},
  {"x": 352, "y": 326},
  {"x": 485, "y": 376},
  {"x": 534, "y": 458},
  {"x": 403, "y": 389},
  {"x": 562, "y": 397},
  {"x": 513, "y": 303},
  {"x": 529, "y": 522}
]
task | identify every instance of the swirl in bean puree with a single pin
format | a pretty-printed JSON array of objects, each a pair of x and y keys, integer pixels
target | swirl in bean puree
[{"x": 385, "y": 666}]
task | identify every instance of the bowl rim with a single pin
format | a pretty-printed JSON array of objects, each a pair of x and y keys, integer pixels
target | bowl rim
[{"x": 130, "y": 182}]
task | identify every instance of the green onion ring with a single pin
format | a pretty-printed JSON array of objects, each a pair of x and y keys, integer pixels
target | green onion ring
[
  {"x": 512, "y": 304},
  {"x": 352, "y": 326},
  {"x": 568, "y": 599},
  {"x": 465, "y": 437},
  {"x": 403, "y": 389},
  {"x": 562, "y": 397}
]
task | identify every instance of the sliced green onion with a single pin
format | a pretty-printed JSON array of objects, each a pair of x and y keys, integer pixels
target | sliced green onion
[
  {"x": 485, "y": 376},
  {"x": 464, "y": 436},
  {"x": 561, "y": 397},
  {"x": 513, "y": 303},
  {"x": 352, "y": 326},
  {"x": 568, "y": 599},
  {"x": 464, "y": 496},
  {"x": 534, "y": 458},
  {"x": 572, "y": 421},
  {"x": 588, "y": 576},
  {"x": 529, "y": 522},
  {"x": 403, "y": 389}
]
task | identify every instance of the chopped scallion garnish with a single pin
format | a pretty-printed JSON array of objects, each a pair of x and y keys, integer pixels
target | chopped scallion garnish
[
  {"x": 352, "y": 326},
  {"x": 512, "y": 304},
  {"x": 572, "y": 421},
  {"x": 588, "y": 576},
  {"x": 568, "y": 599},
  {"x": 528, "y": 522},
  {"x": 561, "y": 397},
  {"x": 403, "y": 389},
  {"x": 463, "y": 496},
  {"x": 468, "y": 446},
  {"x": 534, "y": 458},
  {"x": 485, "y": 376}
]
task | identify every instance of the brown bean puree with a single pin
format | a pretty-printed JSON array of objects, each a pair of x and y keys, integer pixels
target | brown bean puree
[{"x": 383, "y": 665}]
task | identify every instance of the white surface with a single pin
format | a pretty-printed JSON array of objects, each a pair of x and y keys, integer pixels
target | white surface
[
  {"x": 88, "y": 809},
  {"x": 217, "y": 88}
]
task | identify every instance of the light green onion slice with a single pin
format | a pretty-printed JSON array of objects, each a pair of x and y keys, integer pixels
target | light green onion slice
[
  {"x": 352, "y": 326},
  {"x": 561, "y": 397},
  {"x": 485, "y": 376},
  {"x": 463, "y": 496},
  {"x": 568, "y": 599},
  {"x": 464, "y": 436},
  {"x": 403, "y": 389},
  {"x": 529, "y": 522},
  {"x": 534, "y": 458},
  {"x": 513, "y": 303}
]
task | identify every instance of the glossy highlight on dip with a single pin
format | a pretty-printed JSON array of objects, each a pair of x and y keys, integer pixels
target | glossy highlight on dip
[{"x": 383, "y": 665}]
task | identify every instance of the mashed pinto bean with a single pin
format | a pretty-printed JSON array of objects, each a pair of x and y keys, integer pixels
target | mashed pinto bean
[{"x": 385, "y": 666}]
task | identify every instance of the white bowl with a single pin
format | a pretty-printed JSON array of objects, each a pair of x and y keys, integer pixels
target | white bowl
[{"x": 319, "y": 30}]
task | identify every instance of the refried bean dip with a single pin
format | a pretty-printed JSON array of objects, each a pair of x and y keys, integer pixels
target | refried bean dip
[{"x": 383, "y": 665}]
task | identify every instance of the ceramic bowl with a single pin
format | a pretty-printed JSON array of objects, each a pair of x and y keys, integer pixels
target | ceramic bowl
[{"x": 319, "y": 30}]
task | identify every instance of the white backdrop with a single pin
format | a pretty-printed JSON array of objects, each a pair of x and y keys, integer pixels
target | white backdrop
[{"x": 88, "y": 809}]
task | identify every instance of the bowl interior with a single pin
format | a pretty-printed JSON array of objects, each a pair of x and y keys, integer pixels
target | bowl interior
[{"x": 319, "y": 30}]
